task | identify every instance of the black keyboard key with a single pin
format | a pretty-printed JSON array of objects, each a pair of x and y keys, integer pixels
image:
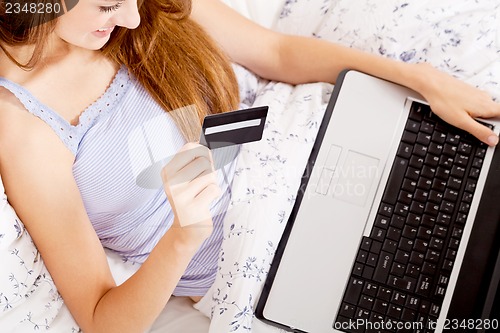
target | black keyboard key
[
  {"x": 397, "y": 221},
  {"x": 443, "y": 280},
  {"x": 402, "y": 257},
  {"x": 467, "y": 197},
  {"x": 384, "y": 293},
  {"x": 424, "y": 138},
  {"x": 413, "y": 270},
  {"x": 366, "y": 243},
  {"x": 436, "y": 198},
  {"x": 361, "y": 314},
  {"x": 370, "y": 289},
  {"x": 398, "y": 269},
  {"x": 383, "y": 267},
  {"x": 376, "y": 247},
  {"x": 439, "y": 185},
  {"x": 428, "y": 171},
  {"x": 417, "y": 208},
  {"x": 420, "y": 150},
  {"x": 424, "y": 184},
  {"x": 429, "y": 268},
  {"x": 434, "y": 310},
  {"x": 424, "y": 233},
  {"x": 432, "y": 160},
  {"x": 417, "y": 258},
  {"x": 440, "y": 231},
  {"x": 395, "y": 311},
  {"x": 409, "y": 137},
  {"x": 432, "y": 208},
  {"x": 362, "y": 256},
  {"x": 443, "y": 219},
  {"x": 432, "y": 256},
  {"x": 366, "y": 302},
  {"x": 347, "y": 310},
  {"x": 453, "y": 139},
  {"x": 438, "y": 137},
  {"x": 454, "y": 243},
  {"x": 390, "y": 246},
  {"x": 464, "y": 208},
  {"x": 477, "y": 162},
  {"x": 462, "y": 160},
  {"x": 381, "y": 306},
  {"x": 406, "y": 284},
  {"x": 465, "y": 148},
  {"x": 416, "y": 162},
  {"x": 449, "y": 150},
  {"x": 386, "y": 209},
  {"x": 455, "y": 183},
  {"x": 353, "y": 292},
  {"x": 458, "y": 171},
  {"x": 413, "y": 302},
  {"x": 409, "y": 315},
  {"x": 413, "y": 220},
  {"x": 382, "y": 222},
  {"x": 451, "y": 254},
  {"x": 447, "y": 207},
  {"x": 378, "y": 234},
  {"x": 404, "y": 151},
  {"x": 451, "y": 195},
  {"x": 446, "y": 162},
  {"x": 394, "y": 234},
  {"x": 412, "y": 126},
  {"x": 401, "y": 209},
  {"x": 358, "y": 269},
  {"x": 470, "y": 186},
  {"x": 409, "y": 232},
  {"x": 427, "y": 127},
  {"x": 421, "y": 245},
  {"x": 439, "y": 292},
  {"x": 424, "y": 286},
  {"x": 436, "y": 244},
  {"x": 405, "y": 197},
  {"x": 372, "y": 259},
  {"x": 399, "y": 298},
  {"x": 428, "y": 221},
  {"x": 409, "y": 185}
]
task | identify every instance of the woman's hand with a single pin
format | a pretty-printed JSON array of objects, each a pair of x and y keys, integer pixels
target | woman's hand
[
  {"x": 456, "y": 102},
  {"x": 190, "y": 183}
]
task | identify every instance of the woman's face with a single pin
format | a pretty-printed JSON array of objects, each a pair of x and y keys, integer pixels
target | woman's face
[{"x": 89, "y": 24}]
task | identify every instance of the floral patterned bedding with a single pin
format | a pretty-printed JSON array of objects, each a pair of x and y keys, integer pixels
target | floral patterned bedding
[{"x": 458, "y": 36}]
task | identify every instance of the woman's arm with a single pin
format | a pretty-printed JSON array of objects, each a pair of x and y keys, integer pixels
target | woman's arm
[
  {"x": 297, "y": 59},
  {"x": 37, "y": 171}
]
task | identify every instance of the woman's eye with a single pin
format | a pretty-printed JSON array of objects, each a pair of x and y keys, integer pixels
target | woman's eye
[{"x": 107, "y": 9}]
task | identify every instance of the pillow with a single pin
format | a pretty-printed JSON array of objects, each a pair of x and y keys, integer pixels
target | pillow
[
  {"x": 28, "y": 297},
  {"x": 264, "y": 12}
]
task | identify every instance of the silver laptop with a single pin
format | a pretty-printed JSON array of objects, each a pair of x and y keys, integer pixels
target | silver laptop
[{"x": 378, "y": 233}]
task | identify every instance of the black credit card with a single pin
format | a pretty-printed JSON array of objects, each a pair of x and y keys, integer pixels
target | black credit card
[{"x": 233, "y": 128}]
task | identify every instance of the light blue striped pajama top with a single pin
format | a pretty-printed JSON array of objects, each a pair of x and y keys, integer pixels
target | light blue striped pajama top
[{"x": 117, "y": 139}]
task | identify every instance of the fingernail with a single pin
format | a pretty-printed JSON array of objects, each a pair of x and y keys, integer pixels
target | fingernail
[{"x": 493, "y": 140}]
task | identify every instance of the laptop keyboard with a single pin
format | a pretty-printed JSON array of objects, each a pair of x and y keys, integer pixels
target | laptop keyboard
[{"x": 402, "y": 270}]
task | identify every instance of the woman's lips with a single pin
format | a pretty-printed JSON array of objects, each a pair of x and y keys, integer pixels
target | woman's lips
[{"x": 103, "y": 32}]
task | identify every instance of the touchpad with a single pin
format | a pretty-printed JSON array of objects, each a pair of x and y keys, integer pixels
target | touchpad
[{"x": 356, "y": 178}]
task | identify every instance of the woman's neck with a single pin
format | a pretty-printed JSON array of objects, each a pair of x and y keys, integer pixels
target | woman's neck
[{"x": 55, "y": 52}]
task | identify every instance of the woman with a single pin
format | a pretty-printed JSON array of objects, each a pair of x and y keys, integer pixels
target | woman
[{"x": 72, "y": 182}]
